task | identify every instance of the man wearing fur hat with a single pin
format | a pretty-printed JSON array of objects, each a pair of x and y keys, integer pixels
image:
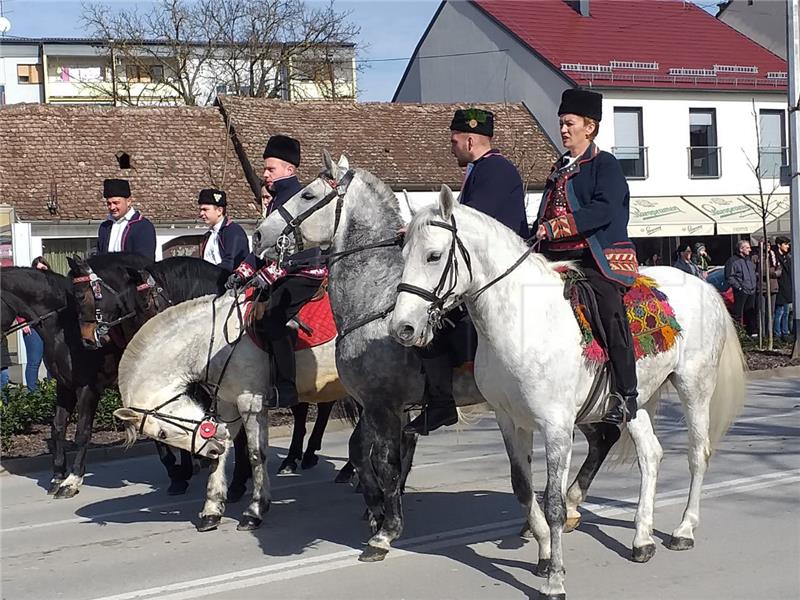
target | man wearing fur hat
[
  {"x": 225, "y": 243},
  {"x": 288, "y": 291},
  {"x": 125, "y": 229}
]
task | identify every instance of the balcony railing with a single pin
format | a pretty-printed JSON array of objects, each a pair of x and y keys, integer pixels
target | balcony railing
[
  {"x": 633, "y": 160},
  {"x": 771, "y": 159},
  {"x": 704, "y": 162}
]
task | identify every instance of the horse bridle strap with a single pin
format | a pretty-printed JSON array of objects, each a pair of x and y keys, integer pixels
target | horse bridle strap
[
  {"x": 32, "y": 322},
  {"x": 338, "y": 191},
  {"x": 178, "y": 422}
]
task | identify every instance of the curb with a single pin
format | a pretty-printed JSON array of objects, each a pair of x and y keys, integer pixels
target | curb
[
  {"x": 24, "y": 466},
  {"x": 144, "y": 447}
]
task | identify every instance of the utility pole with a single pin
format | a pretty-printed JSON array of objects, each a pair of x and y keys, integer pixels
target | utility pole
[{"x": 793, "y": 52}]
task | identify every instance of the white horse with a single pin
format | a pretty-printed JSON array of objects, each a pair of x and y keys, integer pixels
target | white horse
[
  {"x": 170, "y": 364},
  {"x": 530, "y": 367}
]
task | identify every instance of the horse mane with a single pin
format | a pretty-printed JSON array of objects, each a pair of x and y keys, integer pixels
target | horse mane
[
  {"x": 186, "y": 277},
  {"x": 52, "y": 279},
  {"x": 427, "y": 215},
  {"x": 373, "y": 183},
  {"x": 118, "y": 260}
]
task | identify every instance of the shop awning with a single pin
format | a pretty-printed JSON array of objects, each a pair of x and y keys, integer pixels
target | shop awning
[
  {"x": 777, "y": 205},
  {"x": 666, "y": 216},
  {"x": 732, "y": 214}
]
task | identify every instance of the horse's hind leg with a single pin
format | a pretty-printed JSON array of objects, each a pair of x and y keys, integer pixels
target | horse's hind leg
[
  {"x": 256, "y": 426},
  {"x": 695, "y": 394},
  {"x": 87, "y": 407},
  {"x": 178, "y": 473},
  {"x": 519, "y": 446},
  {"x": 65, "y": 404},
  {"x": 315, "y": 441},
  {"x": 649, "y": 452},
  {"x": 214, "y": 506},
  {"x": 601, "y": 437},
  {"x": 300, "y": 414}
]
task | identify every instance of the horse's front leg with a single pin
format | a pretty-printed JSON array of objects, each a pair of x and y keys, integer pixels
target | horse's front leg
[
  {"x": 649, "y": 451},
  {"x": 519, "y": 446},
  {"x": 65, "y": 404},
  {"x": 314, "y": 445},
  {"x": 558, "y": 447},
  {"x": 88, "y": 398},
  {"x": 216, "y": 493},
  {"x": 382, "y": 437},
  {"x": 289, "y": 464},
  {"x": 601, "y": 437},
  {"x": 256, "y": 428}
]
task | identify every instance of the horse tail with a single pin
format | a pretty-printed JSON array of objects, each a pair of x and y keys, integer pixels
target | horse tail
[
  {"x": 729, "y": 393},
  {"x": 349, "y": 410}
]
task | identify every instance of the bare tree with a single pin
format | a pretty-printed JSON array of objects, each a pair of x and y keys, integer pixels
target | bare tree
[
  {"x": 186, "y": 51},
  {"x": 764, "y": 208}
]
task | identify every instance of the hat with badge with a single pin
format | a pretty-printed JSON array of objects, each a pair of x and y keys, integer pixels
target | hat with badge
[
  {"x": 116, "y": 188},
  {"x": 583, "y": 103},
  {"x": 212, "y": 197},
  {"x": 473, "y": 120},
  {"x": 284, "y": 148}
]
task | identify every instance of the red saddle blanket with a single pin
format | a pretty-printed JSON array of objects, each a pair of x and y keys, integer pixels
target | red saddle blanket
[
  {"x": 316, "y": 317},
  {"x": 651, "y": 318}
]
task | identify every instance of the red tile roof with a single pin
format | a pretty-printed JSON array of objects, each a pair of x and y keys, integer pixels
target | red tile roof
[{"x": 672, "y": 33}]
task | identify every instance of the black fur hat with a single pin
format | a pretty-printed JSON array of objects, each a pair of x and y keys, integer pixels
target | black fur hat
[
  {"x": 582, "y": 103},
  {"x": 212, "y": 197},
  {"x": 473, "y": 120},
  {"x": 116, "y": 188},
  {"x": 283, "y": 147}
]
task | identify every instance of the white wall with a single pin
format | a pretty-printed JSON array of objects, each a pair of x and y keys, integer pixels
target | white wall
[
  {"x": 18, "y": 92},
  {"x": 665, "y": 124}
]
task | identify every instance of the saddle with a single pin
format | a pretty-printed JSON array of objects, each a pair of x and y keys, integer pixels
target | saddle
[{"x": 314, "y": 323}]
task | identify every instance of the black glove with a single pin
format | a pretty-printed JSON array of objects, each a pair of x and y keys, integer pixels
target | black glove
[{"x": 235, "y": 280}]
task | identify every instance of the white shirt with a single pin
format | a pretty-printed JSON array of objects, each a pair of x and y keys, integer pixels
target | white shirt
[
  {"x": 212, "y": 253},
  {"x": 117, "y": 229}
]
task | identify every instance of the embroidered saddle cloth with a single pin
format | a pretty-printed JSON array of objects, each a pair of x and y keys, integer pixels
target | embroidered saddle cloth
[{"x": 651, "y": 318}]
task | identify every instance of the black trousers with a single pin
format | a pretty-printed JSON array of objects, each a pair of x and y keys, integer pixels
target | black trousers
[
  {"x": 457, "y": 341},
  {"x": 287, "y": 297},
  {"x": 744, "y": 311}
]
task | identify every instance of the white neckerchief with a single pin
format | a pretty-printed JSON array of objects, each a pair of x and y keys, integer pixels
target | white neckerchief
[
  {"x": 212, "y": 253},
  {"x": 117, "y": 229}
]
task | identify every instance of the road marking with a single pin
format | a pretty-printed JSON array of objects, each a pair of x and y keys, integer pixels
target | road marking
[{"x": 248, "y": 578}]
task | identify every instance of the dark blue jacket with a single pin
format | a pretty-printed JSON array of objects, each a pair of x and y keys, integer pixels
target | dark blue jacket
[
  {"x": 233, "y": 244},
  {"x": 494, "y": 187},
  {"x": 598, "y": 196},
  {"x": 139, "y": 236},
  {"x": 282, "y": 191},
  {"x": 740, "y": 273}
]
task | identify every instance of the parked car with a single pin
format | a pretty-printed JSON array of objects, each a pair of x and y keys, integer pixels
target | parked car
[{"x": 716, "y": 277}]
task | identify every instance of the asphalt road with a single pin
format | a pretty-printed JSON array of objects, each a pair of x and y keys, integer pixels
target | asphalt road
[{"x": 123, "y": 538}]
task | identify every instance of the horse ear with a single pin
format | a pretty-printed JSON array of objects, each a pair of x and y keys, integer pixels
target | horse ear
[
  {"x": 330, "y": 166},
  {"x": 446, "y": 202},
  {"x": 136, "y": 276},
  {"x": 126, "y": 414},
  {"x": 73, "y": 266},
  {"x": 344, "y": 164}
]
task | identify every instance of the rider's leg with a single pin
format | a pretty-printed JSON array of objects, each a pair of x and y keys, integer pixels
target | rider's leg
[
  {"x": 619, "y": 344},
  {"x": 440, "y": 406}
]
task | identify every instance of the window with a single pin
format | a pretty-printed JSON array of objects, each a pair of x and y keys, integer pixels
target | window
[
  {"x": 773, "y": 151},
  {"x": 29, "y": 73},
  {"x": 628, "y": 139},
  {"x": 157, "y": 73},
  {"x": 704, "y": 154},
  {"x": 56, "y": 251},
  {"x": 137, "y": 74},
  {"x": 2, "y": 95}
]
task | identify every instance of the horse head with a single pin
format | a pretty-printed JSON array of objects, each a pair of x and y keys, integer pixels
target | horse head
[
  {"x": 179, "y": 422},
  {"x": 90, "y": 301},
  {"x": 436, "y": 274},
  {"x": 310, "y": 217}
]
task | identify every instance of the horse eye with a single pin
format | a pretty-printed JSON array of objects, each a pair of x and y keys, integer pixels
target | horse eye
[
  {"x": 162, "y": 435},
  {"x": 434, "y": 257},
  {"x": 307, "y": 196}
]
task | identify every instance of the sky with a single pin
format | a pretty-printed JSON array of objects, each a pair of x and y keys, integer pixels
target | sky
[{"x": 390, "y": 30}]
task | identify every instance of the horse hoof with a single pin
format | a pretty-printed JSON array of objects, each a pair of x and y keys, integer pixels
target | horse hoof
[
  {"x": 542, "y": 568},
  {"x": 373, "y": 554},
  {"x": 55, "y": 485},
  {"x": 288, "y": 467},
  {"x": 208, "y": 523},
  {"x": 177, "y": 487},
  {"x": 556, "y": 597},
  {"x": 309, "y": 461},
  {"x": 680, "y": 543},
  {"x": 66, "y": 492},
  {"x": 235, "y": 493},
  {"x": 526, "y": 532},
  {"x": 571, "y": 524},
  {"x": 248, "y": 523},
  {"x": 642, "y": 554}
]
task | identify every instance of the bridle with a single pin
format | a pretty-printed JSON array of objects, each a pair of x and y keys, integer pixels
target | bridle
[
  {"x": 437, "y": 297},
  {"x": 338, "y": 191},
  {"x": 33, "y": 322},
  {"x": 206, "y": 427}
]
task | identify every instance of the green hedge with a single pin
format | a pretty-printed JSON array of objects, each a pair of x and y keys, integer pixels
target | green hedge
[{"x": 25, "y": 409}]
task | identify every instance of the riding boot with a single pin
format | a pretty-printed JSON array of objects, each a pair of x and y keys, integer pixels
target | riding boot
[
  {"x": 440, "y": 406},
  {"x": 624, "y": 408},
  {"x": 284, "y": 391}
]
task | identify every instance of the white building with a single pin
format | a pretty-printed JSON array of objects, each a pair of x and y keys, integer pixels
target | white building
[
  {"x": 87, "y": 71},
  {"x": 689, "y": 103}
]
